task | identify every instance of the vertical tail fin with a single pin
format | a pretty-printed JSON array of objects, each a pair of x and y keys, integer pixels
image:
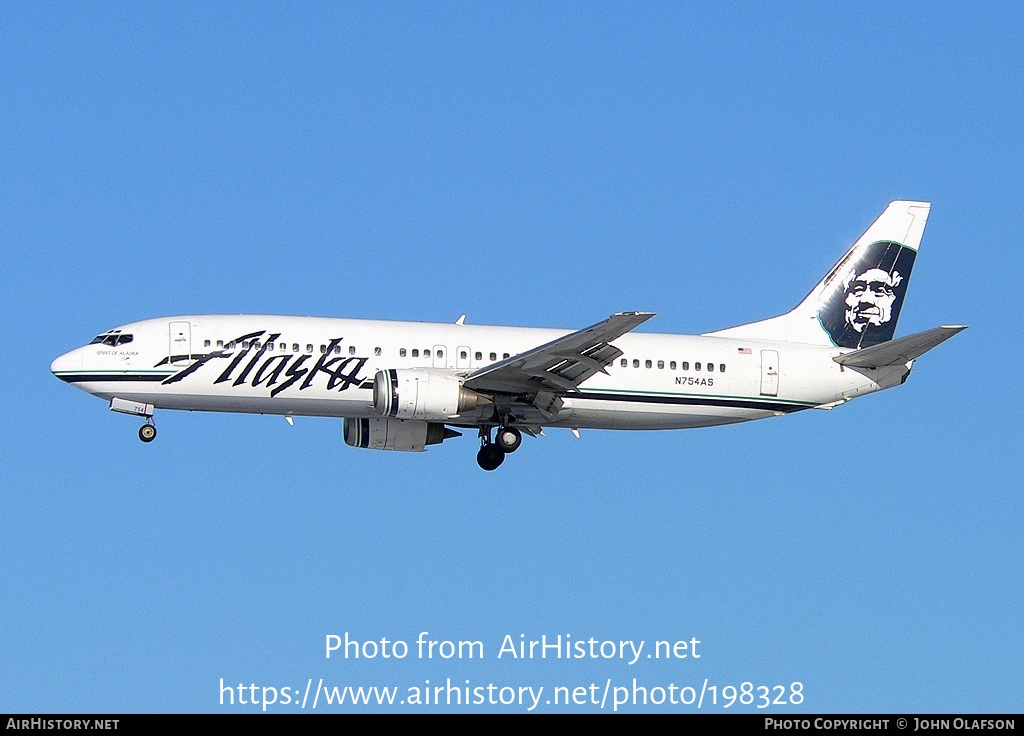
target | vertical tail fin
[{"x": 858, "y": 302}]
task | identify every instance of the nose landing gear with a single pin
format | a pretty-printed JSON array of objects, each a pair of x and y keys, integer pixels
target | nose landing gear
[{"x": 147, "y": 432}]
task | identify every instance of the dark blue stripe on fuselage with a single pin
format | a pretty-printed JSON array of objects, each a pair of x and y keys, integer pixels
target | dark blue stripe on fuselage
[
  {"x": 88, "y": 378},
  {"x": 594, "y": 395},
  {"x": 689, "y": 401}
]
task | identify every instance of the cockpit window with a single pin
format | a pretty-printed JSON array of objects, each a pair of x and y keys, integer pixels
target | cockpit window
[{"x": 112, "y": 338}]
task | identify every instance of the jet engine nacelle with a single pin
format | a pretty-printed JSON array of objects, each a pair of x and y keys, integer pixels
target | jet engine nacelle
[
  {"x": 395, "y": 434},
  {"x": 422, "y": 394}
]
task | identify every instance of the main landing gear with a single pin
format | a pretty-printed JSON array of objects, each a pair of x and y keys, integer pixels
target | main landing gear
[
  {"x": 147, "y": 432},
  {"x": 508, "y": 439},
  {"x": 492, "y": 454}
]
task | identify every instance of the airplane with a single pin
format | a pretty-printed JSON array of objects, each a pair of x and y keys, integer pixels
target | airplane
[{"x": 406, "y": 385}]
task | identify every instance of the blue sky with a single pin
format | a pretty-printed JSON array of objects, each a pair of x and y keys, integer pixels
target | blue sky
[{"x": 536, "y": 164}]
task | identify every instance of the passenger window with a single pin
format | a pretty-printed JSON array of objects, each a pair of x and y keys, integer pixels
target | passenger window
[
  {"x": 648, "y": 364},
  {"x": 711, "y": 367},
  {"x": 696, "y": 366},
  {"x": 672, "y": 365},
  {"x": 504, "y": 355},
  {"x": 231, "y": 345},
  {"x": 426, "y": 353},
  {"x": 206, "y": 343},
  {"x": 636, "y": 363},
  {"x": 220, "y": 343},
  {"x": 494, "y": 356},
  {"x": 415, "y": 352},
  {"x": 351, "y": 349},
  {"x": 463, "y": 354},
  {"x": 401, "y": 352},
  {"x": 376, "y": 351},
  {"x": 478, "y": 355},
  {"x": 270, "y": 346},
  {"x": 661, "y": 363},
  {"x": 721, "y": 367},
  {"x": 323, "y": 349},
  {"x": 309, "y": 348},
  {"x": 624, "y": 363},
  {"x": 440, "y": 353},
  {"x": 686, "y": 365},
  {"x": 283, "y": 347}
]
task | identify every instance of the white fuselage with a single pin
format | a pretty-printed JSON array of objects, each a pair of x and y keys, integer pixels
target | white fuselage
[{"x": 325, "y": 367}]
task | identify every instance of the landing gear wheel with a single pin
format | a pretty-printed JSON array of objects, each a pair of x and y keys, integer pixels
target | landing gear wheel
[
  {"x": 147, "y": 433},
  {"x": 508, "y": 439},
  {"x": 490, "y": 457}
]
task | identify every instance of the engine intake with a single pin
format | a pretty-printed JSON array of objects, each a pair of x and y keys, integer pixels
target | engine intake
[{"x": 422, "y": 394}]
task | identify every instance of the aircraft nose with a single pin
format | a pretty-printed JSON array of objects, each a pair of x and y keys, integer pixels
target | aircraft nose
[{"x": 67, "y": 363}]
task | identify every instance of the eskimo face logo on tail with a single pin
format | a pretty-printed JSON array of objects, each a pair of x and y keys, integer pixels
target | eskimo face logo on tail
[
  {"x": 862, "y": 297},
  {"x": 869, "y": 297}
]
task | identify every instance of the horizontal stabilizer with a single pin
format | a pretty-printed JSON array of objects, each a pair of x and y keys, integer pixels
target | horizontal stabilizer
[{"x": 902, "y": 350}]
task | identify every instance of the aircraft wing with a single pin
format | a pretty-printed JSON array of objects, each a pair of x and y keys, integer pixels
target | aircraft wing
[
  {"x": 899, "y": 351},
  {"x": 560, "y": 365}
]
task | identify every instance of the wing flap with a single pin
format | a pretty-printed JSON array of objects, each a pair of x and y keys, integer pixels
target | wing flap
[{"x": 899, "y": 351}]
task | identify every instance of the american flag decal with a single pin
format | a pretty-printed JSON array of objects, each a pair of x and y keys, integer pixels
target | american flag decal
[{"x": 744, "y": 351}]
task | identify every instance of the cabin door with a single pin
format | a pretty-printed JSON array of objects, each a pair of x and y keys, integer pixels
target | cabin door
[
  {"x": 769, "y": 373},
  {"x": 180, "y": 348}
]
